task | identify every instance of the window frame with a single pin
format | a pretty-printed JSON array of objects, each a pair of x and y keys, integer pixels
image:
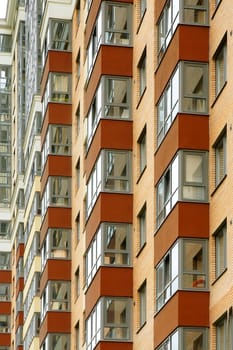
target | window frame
[
  {"x": 220, "y": 144},
  {"x": 169, "y": 20},
  {"x": 221, "y": 322},
  {"x": 169, "y": 188},
  {"x": 170, "y": 275},
  {"x": 97, "y": 321},
  {"x": 142, "y": 295},
  {"x": 142, "y": 73},
  {"x": 221, "y": 50},
  {"x": 101, "y": 174},
  {"x": 220, "y": 254},
  {"x": 98, "y": 248},
  {"x": 171, "y": 101},
  {"x": 142, "y": 221}
]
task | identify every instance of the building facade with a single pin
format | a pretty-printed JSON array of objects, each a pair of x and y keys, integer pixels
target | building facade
[{"x": 116, "y": 175}]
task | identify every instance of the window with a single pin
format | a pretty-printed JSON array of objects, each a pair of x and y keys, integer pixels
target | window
[
  {"x": 5, "y": 260},
  {"x": 142, "y": 73},
  {"x": 58, "y": 37},
  {"x": 77, "y": 282},
  {"x": 78, "y": 65},
  {"x": 220, "y": 250},
  {"x": 221, "y": 66},
  {"x": 78, "y": 173},
  {"x": 57, "y": 141},
  {"x": 4, "y": 292},
  {"x": 58, "y": 89},
  {"x": 112, "y": 100},
  {"x": 57, "y": 193},
  {"x": 77, "y": 332},
  {"x": 55, "y": 297},
  {"x": 78, "y": 12},
  {"x": 77, "y": 222},
  {"x": 186, "y": 91},
  {"x": 195, "y": 338},
  {"x": 221, "y": 334},
  {"x": 185, "y": 179},
  {"x": 5, "y": 43},
  {"x": 117, "y": 24},
  {"x": 111, "y": 173},
  {"x": 109, "y": 320},
  {"x": 142, "y": 150},
  {"x": 142, "y": 304},
  {"x": 220, "y": 158},
  {"x": 56, "y": 245},
  {"x": 142, "y": 226},
  {"x": 111, "y": 246},
  {"x": 78, "y": 118},
  {"x": 112, "y": 27},
  {"x": 56, "y": 342},
  {"x": 143, "y": 6},
  {"x": 185, "y": 266},
  {"x": 5, "y": 321},
  {"x": 175, "y": 12}
]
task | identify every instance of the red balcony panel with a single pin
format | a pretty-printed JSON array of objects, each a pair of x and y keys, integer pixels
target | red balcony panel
[
  {"x": 55, "y": 217},
  {"x": 56, "y": 166},
  {"x": 185, "y": 220},
  {"x": 19, "y": 319},
  {"x": 19, "y": 285},
  {"x": 189, "y": 43},
  {"x": 107, "y": 136},
  {"x": 56, "y": 113},
  {"x": 19, "y": 252},
  {"x": 186, "y": 132},
  {"x": 5, "y": 339},
  {"x": 5, "y": 276},
  {"x": 56, "y": 61},
  {"x": 107, "y": 345},
  {"x": 109, "y": 281},
  {"x": 5, "y": 307},
  {"x": 55, "y": 270},
  {"x": 109, "y": 61},
  {"x": 55, "y": 322},
  {"x": 110, "y": 207},
  {"x": 187, "y": 309}
]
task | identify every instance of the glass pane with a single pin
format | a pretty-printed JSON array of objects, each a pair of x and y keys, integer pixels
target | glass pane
[
  {"x": 116, "y": 319},
  {"x": 60, "y": 88},
  {"x": 117, "y": 99},
  {"x": 59, "y": 342},
  {"x": 116, "y": 244},
  {"x": 59, "y": 296},
  {"x": 60, "y": 36},
  {"x": 117, "y": 171},
  {"x": 193, "y": 265},
  {"x": 117, "y": 31},
  {"x": 193, "y": 168},
  {"x": 193, "y": 339}
]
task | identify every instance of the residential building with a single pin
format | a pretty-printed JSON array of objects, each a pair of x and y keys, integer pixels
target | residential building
[{"x": 116, "y": 175}]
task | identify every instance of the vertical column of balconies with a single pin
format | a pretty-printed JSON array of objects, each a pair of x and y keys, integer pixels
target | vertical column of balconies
[
  {"x": 181, "y": 176},
  {"x": 5, "y": 298},
  {"x": 19, "y": 288},
  {"x": 55, "y": 235},
  {"x": 32, "y": 173},
  {"x": 108, "y": 273},
  {"x": 5, "y": 186}
]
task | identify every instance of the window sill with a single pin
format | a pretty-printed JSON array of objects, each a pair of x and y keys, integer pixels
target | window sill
[
  {"x": 141, "y": 249},
  {"x": 140, "y": 328},
  {"x": 218, "y": 185},
  {"x": 219, "y": 93},
  {"x": 141, "y": 21},
  {"x": 141, "y": 173},
  {"x": 140, "y": 98},
  {"x": 219, "y": 276},
  {"x": 216, "y": 9}
]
